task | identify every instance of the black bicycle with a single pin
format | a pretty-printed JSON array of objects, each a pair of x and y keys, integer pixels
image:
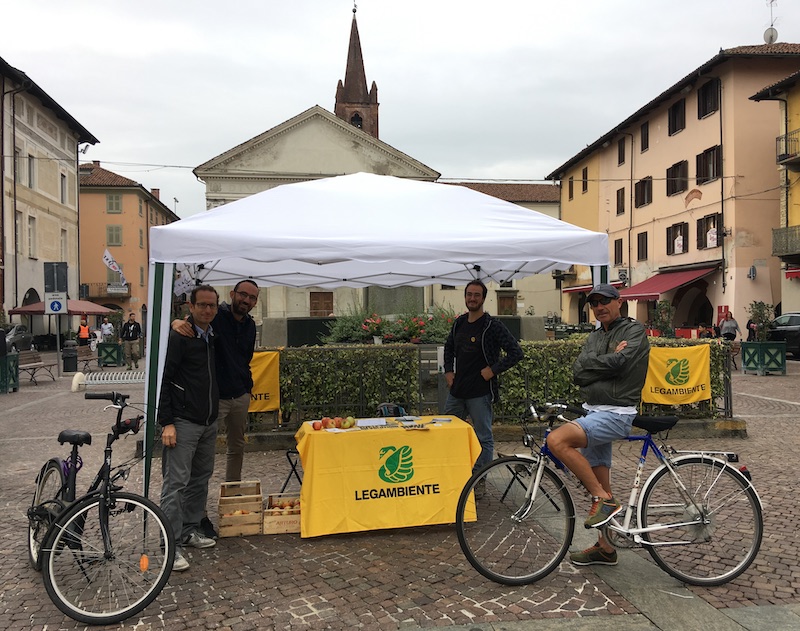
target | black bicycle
[{"x": 106, "y": 555}]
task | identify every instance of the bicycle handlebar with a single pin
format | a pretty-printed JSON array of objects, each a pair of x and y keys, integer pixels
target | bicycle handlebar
[{"x": 115, "y": 397}]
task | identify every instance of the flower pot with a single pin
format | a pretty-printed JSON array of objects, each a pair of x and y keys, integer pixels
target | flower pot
[{"x": 377, "y": 339}]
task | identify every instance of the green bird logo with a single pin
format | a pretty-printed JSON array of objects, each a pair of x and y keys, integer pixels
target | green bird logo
[
  {"x": 677, "y": 372},
  {"x": 397, "y": 464}
]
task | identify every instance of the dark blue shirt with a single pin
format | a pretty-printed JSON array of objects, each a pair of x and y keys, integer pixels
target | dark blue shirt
[{"x": 235, "y": 341}]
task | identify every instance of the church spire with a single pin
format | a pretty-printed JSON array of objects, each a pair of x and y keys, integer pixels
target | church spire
[{"x": 353, "y": 103}]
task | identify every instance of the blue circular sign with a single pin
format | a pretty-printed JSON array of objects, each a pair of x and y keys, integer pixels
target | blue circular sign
[{"x": 56, "y": 306}]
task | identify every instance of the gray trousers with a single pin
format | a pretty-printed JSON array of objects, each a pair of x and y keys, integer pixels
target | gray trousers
[
  {"x": 233, "y": 412},
  {"x": 186, "y": 469}
]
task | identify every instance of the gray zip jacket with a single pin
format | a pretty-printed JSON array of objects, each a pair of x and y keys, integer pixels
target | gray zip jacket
[{"x": 609, "y": 378}]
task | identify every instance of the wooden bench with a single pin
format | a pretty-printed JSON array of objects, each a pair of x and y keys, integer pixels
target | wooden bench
[
  {"x": 87, "y": 357},
  {"x": 31, "y": 363}
]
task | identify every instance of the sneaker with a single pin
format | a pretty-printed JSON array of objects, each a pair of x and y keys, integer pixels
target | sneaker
[
  {"x": 594, "y": 556},
  {"x": 196, "y": 540},
  {"x": 602, "y": 511},
  {"x": 180, "y": 563},
  {"x": 136, "y": 365},
  {"x": 207, "y": 528}
]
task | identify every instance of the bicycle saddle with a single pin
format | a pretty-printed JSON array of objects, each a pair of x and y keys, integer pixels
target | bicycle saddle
[
  {"x": 75, "y": 437},
  {"x": 654, "y": 424}
]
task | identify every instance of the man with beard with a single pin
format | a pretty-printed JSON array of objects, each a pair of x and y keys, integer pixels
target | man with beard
[
  {"x": 472, "y": 362},
  {"x": 235, "y": 333}
]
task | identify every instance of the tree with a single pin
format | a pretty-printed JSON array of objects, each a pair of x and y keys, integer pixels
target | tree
[
  {"x": 761, "y": 314},
  {"x": 663, "y": 314}
]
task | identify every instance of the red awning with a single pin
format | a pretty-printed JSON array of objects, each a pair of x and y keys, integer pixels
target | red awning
[
  {"x": 652, "y": 288},
  {"x": 576, "y": 288}
]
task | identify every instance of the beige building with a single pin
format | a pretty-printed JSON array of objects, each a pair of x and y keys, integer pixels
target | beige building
[
  {"x": 687, "y": 190},
  {"x": 39, "y": 140},
  {"x": 786, "y": 236},
  {"x": 116, "y": 216}
]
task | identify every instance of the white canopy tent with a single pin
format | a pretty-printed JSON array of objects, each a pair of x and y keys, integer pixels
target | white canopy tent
[{"x": 355, "y": 231}]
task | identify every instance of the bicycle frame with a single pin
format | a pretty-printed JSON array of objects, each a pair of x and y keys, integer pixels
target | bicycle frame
[{"x": 624, "y": 528}]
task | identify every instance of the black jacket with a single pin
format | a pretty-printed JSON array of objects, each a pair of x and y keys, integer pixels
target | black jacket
[
  {"x": 131, "y": 331},
  {"x": 189, "y": 385},
  {"x": 495, "y": 337},
  {"x": 234, "y": 344}
]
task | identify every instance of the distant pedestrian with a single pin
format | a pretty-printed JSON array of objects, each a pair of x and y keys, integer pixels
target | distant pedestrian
[
  {"x": 129, "y": 336},
  {"x": 107, "y": 330},
  {"x": 729, "y": 327},
  {"x": 83, "y": 333}
]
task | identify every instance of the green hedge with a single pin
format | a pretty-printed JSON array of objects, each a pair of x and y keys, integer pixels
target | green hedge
[
  {"x": 346, "y": 380},
  {"x": 545, "y": 374},
  {"x": 354, "y": 379}
]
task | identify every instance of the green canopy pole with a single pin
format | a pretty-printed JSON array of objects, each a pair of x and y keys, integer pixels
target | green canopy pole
[{"x": 159, "y": 301}]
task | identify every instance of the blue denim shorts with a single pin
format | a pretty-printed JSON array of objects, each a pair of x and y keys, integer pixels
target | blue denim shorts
[{"x": 601, "y": 429}]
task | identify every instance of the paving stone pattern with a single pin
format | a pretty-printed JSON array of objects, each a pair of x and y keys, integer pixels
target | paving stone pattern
[{"x": 398, "y": 579}]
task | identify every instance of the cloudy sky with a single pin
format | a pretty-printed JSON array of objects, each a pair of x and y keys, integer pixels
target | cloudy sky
[{"x": 508, "y": 89}]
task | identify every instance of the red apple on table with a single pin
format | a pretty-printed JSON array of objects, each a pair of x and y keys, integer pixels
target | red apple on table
[
  {"x": 317, "y": 425},
  {"x": 338, "y": 421},
  {"x": 328, "y": 423}
]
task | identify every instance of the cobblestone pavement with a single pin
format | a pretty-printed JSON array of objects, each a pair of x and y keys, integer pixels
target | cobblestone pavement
[{"x": 400, "y": 579}]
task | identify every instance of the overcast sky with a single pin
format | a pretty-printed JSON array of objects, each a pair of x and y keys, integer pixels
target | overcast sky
[{"x": 508, "y": 89}]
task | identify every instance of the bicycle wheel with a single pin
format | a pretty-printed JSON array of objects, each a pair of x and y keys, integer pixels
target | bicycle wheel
[
  {"x": 45, "y": 507},
  {"x": 711, "y": 539},
  {"x": 507, "y": 537},
  {"x": 98, "y": 587}
]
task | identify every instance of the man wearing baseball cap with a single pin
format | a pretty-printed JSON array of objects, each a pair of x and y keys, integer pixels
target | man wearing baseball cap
[{"x": 610, "y": 371}]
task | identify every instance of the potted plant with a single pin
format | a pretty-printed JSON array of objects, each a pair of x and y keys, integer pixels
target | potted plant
[
  {"x": 663, "y": 314},
  {"x": 762, "y": 356},
  {"x": 374, "y": 327}
]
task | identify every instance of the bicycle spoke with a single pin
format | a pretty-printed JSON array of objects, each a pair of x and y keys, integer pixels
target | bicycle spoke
[
  {"x": 508, "y": 536},
  {"x": 97, "y": 586},
  {"x": 709, "y": 533}
]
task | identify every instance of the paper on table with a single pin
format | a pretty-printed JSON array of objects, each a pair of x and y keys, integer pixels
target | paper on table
[{"x": 370, "y": 422}]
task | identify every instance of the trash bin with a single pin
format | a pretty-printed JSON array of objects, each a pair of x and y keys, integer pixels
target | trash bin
[{"x": 70, "y": 356}]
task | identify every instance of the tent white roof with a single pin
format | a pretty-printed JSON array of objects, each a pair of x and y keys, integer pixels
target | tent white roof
[{"x": 364, "y": 229}]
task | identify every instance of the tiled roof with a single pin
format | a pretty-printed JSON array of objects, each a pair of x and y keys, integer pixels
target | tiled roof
[
  {"x": 763, "y": 50},
  {"x": 515, "y": 192},
  {"x": 94, "y": 175},
  {"x": 777, "y": 88}
]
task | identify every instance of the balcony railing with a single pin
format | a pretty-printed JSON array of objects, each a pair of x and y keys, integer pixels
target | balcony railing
[
  {"x": 108, "y": 290},
  {"x": 788, "y": 149},
  {"x": 786, "y": 241}
]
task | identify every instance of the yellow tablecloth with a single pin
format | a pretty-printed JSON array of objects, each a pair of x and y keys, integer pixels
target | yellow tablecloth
[{"x": 370, "y": 479}]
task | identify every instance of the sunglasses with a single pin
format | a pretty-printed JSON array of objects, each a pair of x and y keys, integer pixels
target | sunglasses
[{"x": 600, "y": 301}]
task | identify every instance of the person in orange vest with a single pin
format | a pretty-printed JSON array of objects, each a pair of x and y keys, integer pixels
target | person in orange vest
[{"x": 83, "y": 333}]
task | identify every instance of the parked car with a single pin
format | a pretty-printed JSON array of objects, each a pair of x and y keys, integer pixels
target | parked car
[
  {"x": 786, "y": 328},
  {"x": 18, "y": 338}
]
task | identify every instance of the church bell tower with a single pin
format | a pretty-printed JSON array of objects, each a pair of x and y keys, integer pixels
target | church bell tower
[{"x": 353, "y": 103}]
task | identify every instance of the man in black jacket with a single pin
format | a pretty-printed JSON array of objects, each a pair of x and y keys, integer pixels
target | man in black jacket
[
  {"x": 235, "y": 339},
  {"x": 187, "y": 413},
  {"x": 472, "y": 362}
]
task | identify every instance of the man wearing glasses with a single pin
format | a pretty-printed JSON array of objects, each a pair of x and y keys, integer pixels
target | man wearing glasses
[
  {"x": 610, "y": 371},
  {"x": 187, "y": 413},
  {"x": 235, "y": 333}
]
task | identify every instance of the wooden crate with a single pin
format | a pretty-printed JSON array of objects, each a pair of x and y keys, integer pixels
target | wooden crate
[
  {"x": 240, "y": 509},
  {"x": 277, "y": 520}
]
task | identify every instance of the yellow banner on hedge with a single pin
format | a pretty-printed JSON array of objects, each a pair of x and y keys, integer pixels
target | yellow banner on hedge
[
  {"x": 266, "y": 393},
  {"x": 678, "y": 375}
]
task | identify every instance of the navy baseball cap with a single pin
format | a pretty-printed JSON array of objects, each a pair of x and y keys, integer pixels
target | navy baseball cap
[{"x": 604, "y": 289}]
